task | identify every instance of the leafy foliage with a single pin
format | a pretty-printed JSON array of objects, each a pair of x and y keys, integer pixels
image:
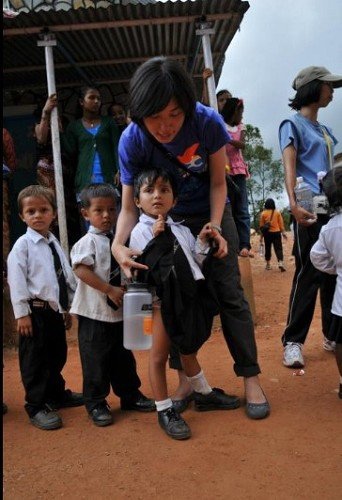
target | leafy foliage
[{"x": 267, "y": 177}]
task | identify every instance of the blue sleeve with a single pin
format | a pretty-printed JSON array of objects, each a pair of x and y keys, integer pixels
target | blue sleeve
[
  {"x": 212, "y": 128},
  {"x": 287, "y": 135},
  {"x": 131, "y": 157}
]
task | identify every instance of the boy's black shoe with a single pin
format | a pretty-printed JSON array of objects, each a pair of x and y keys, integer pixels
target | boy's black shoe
[
  {"x": 137, "y": 402},
  {"x": 101, "y": 415},
  {"x": 69, "y": 400},
  {"x": 173, "y": 424},
  {"x": 217, "y": 399},
  {"x": 46, "y": 419}
]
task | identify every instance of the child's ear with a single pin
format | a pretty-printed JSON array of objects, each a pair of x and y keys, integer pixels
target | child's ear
[
  {"x": 137, "y": 202},
  {"x": 84, "y": 213}
]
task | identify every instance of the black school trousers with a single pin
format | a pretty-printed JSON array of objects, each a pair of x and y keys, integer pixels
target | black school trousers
[
  {"x": 307, "y": 281},
  {"x": 42, "y": 358},
  {"x": 105, "y": 362},
  {"x": 273, "y": 238},
  {"x": 236, "y": 318}
]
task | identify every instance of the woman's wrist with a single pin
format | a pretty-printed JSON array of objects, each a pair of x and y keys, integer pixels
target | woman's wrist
[
  {"x": 216, "y": 227},
  {"x": 46, "y": 115}
]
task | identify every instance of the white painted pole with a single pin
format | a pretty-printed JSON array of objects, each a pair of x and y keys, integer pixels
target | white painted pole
[
  {"x": 48, "y": 43},
  {"x": 205, "y": 31}
]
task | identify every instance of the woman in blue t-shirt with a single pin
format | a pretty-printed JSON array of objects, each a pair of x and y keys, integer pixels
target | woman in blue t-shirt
[{"x": 171, "y": 129}]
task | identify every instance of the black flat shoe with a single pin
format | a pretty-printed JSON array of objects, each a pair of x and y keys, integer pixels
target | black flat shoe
[
  {"x": 101, "y": 415},
  {"x": 257, "y": 411},
  {"x": 217, "y": 399},
  {"x": 46, "y": 420},
  {"x": 181, "y": 405},
  {"x": 70, "y": 399},
  {"x": 173, "y": 424},
  {"x": 137, "y": 402}
]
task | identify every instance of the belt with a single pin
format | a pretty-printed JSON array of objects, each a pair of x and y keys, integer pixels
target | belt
[{"x": 39, "y": 304}]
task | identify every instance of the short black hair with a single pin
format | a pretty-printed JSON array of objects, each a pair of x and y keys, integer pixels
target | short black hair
[
  {"x": 270, "y": 204},
  {"x": 150, "y": 175},
  {"x": 306, "y": 95},
  {"x": 102, "y": 190},
  {"x": 155, "y": 83},
  {"x": 332, "y": 187},
  {"x": 229, "y": 108},
  {"x": 37, "y": 191}
]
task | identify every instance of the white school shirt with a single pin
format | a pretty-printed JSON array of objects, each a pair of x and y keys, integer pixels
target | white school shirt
[
  {"x": 142, "y": 234},
  {"x": 93, "y": 250},
  {"x": 326, "y": 255},
  {"x": 32, "y": 275}
]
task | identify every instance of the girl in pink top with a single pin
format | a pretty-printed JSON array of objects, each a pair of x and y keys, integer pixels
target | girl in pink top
[{"x": 232, "y": 113}]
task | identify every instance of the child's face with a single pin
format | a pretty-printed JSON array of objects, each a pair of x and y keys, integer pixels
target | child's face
[
  {"x": 119, "y": 115},
  {"x": 101, "y": 213},
  {"x": 37, "y": 213},
  {"x": 222, "y": 99},
  {"x": 156, "y": 199}
]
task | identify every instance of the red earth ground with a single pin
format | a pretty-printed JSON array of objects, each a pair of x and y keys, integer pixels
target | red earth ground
[{"x": 295, "y": 453}]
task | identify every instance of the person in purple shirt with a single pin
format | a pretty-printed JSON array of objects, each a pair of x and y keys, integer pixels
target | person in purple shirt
[{"x": 170, "y": 129}]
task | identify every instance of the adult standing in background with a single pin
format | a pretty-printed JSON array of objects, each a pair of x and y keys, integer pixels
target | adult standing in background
[
  {"x": 307, "y": 148},
  {"x": 170, "y": 129},
  {"x": 273, "y": 235},
  {"x": 91, "y": 143}
]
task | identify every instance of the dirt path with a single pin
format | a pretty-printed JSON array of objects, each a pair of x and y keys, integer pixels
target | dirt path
[{"x": 296, "y": 453}]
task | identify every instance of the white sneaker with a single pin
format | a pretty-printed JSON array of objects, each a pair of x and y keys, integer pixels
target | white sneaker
[
  {"x": 329, "y": 345},
  {"x": 293, "y": 357},
  {"x": 281, "y": 266}
]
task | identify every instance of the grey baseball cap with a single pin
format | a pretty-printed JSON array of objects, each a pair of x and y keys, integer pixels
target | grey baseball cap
[{"x": 312, "y": 73}]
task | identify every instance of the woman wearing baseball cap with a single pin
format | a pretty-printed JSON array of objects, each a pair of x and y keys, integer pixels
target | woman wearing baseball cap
[{"x": 307, "y": 148}]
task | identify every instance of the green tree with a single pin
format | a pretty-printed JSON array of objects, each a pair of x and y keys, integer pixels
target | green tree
[{"x": 267, "y": 176}]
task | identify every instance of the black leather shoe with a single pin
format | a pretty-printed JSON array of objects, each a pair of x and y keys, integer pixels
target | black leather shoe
[
  {"x": 101, "y": 415},
  {"x": 181, "y": 405},
  {"x": 69, "y": 400},
  {"x": 137, "y": 402},
  {"x": 46, "y": 419},
  {"x": 173, "y": 424},
  {"x": 217, "y": 399}
]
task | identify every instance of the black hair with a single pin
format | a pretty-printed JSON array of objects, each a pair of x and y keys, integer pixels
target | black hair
[
  {"x": 332, "y": 187},
  {"x": 270, "y": 204},
  {"x": 37, "y": 191},
  {"x": 155, "y": 83},
  {"x": 309, "y": 93},
  {"x": 109, "y": 109},
  {"x": 221, "y": 92},
  {"x": 229, "y": 108},
  {"x": 102, "y": 190},
  {"x": 81, "y": 95},
  {"x": 150, "y": 175}
]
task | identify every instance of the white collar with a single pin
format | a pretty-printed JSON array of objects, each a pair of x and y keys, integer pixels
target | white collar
[{"x": 147, "y": 219}]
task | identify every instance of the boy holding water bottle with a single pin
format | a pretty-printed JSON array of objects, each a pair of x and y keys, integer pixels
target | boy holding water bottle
[
  {"x": 97, "y": 303},
  {"x": 183, "y": 310}
]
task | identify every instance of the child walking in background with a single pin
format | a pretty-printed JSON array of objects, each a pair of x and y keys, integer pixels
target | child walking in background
[
  {"x": 105, "y": 361},
  {"x": 232, "y": 112},
  {"x": 326, "y": 255},
  {"x": 178, "y": 279},
  {"x": 41, "y": 283},
  {"x": 272, "y": 236}
]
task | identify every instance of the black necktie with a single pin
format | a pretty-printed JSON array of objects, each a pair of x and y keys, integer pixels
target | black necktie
[
  {"x": 115, "y": 274},
  {"x": 63, "y": 289}
]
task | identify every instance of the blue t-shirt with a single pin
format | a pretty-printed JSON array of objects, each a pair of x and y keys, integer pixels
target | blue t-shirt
[
  {"x": 199, "y": 137},
  {"x": 96, "y": 175},
  {"x": 312, "y": 150}
]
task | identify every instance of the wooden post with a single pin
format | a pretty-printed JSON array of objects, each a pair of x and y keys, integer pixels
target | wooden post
[{"x": 247, "y": 284}]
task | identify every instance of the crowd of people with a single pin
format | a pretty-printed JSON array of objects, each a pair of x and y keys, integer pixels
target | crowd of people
[{"x": 162, "y": 197}]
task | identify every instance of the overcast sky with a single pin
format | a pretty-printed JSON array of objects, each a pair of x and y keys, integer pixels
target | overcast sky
[{"x": 277, "y": 39}]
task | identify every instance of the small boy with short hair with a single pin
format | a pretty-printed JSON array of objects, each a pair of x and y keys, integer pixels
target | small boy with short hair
[
  {"x": 41, "y": 285},
  {"x": 105, "y": 361}
]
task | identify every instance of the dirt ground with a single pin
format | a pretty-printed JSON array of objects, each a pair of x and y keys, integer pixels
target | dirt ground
[{"x": 292, "y": 454}]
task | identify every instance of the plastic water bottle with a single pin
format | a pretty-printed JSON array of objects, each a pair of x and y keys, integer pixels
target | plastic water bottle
[
  {"x": 137, "y": 316},
  {"x": 304, "y": 195}
]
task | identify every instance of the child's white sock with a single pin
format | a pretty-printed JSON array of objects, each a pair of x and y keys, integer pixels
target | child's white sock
[
  {"x": 199, "y": 383},
  {"x": 164, "y": 405}
]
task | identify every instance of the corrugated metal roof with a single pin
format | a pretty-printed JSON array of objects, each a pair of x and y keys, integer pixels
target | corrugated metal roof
[{"x": 108, "y": 40}]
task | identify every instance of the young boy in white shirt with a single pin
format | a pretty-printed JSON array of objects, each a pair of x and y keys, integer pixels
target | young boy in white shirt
[
  {"x": 41, "y": 285},
  {"x": 105, "y": 362}
]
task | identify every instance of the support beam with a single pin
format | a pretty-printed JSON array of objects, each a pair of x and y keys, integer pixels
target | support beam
[{"x": 8, "y": 32}]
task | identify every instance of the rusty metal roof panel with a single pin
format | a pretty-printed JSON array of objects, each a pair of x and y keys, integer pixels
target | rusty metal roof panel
[{"x": 109, "y": 39}]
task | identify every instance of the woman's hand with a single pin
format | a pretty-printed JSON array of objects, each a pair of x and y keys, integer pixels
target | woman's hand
[
  {"x": 221, "y": 244},
  {"x": 158, "y": 226},
  {"x": 50, "y": 104},
  {"x": 24, "y": 326},
  {"x": 124, "y": 257},
  {"x": 302, "y": 216}
]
